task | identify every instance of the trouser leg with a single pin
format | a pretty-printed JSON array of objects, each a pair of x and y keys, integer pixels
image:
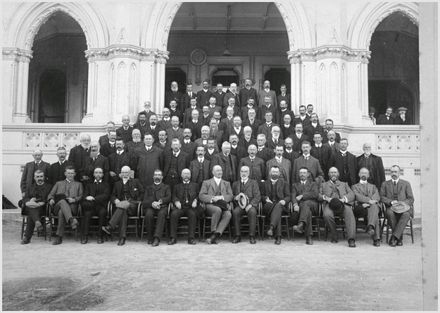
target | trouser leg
[
  {"x": 392, "y": 218},
  {"x": 88, "y": 210},
  {"x": 215, "y": 212},
  {"x": 192, "y": 220},
  {"x": 275, "y": 218},
  {"x": 237, "y": 212},
  {"x": 160, "y": 223},
  {"x": 401, "y": 224},
  {"x": 224, "y": 221},
  {"x": 102, "y": 215},
  {"x": 350, "y": 222},
  {"x": 175, "y": 215},
  {"x": 252, "y": 219},
  {"x": 116, "y": 218},
  {"x": 373, "y": 219},
  {"x": 149, "y": 222},
  {"x": 329, "y": 219},
  {"x": 305, "y": 216},
  {"x": 33, "y": 215}
]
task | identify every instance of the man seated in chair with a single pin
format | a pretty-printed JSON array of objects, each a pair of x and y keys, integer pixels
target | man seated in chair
[
  {"x": 338, "y": 199},
  {"x": 185, "y": 203},
  {"x": 34, "y": 204},
  {"x": 95, "y": 199},
  {"x": 126, "y": 195},
  {"x": 398, "y": 198},
  {"x": 305, "y": 196},
  {"x": 216, "y": 193},
  {"x": 64, "y": 198},
  {"x": 367, "y": 197},
  {"x": 275, "y": 196},
  {"x": 245, "y": 188},
  {"x": 156, "y": 200}
]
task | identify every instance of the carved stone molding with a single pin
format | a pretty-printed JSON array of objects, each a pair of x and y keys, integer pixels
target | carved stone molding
[
  {"x": 125, "y": 51},
  {"x": 16, "y": 54},
  {"x": 398, "y": 143},
  {"x": 329, "y": 51},
  {"x": 50, "y": 140}
]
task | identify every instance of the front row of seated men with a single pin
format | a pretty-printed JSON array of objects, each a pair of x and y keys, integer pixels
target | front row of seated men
[{"x": 221, "y": 203}]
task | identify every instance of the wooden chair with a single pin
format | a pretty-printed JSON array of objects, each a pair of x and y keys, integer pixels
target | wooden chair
[
  {"x": 285, "y": 227},
  {"x": 53, "y": 222},
  {"x": 142, "y": 217},
  {"x": 386, "y": 225},
  {"x": 132, "y": 228},
  {"x": 43, "y": 219}
]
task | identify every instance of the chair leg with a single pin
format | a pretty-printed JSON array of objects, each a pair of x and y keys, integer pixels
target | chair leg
[
  {"x": 23, "y": 224},
  {"x": 412, "y": 232},
  {"x": 142, "y": 229},
  {"x": 263, "y": 221}
]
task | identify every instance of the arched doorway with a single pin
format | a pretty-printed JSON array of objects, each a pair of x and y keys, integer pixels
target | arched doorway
[
  {"x": 225, "y": 76},
  {"x": 175, "y": 74},
  {"x": 58, "y": 68},
  {"x": 278, "y": 77},
  {"x": 393, "y": 70}
]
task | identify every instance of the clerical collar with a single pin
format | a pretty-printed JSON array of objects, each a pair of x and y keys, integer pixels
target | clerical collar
[{"x": 157, "y": 184}]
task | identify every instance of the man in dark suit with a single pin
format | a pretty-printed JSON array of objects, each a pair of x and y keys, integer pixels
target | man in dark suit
[
  {"x": 309, "y": 162},
  {"x": 256, "y": 165},
  {"x": 266, "y": 127},
  {"x": 374, "y": 165},
  {"x": 249, "y": 106},
  {"x": 305, "y": 195},
  {"x": 203, "y": 95},
  {"x": 367, "y": 197},
  {"x": 248, "y": 92},
  {"x": 313, "y": 127},
  {"x": 299, "y": 137},
  {"x": 174, "y": 160},
  {"x": 268, "y": 107},
  {"x": 200, "y": 167},
  {"x": 398, "y": 198},
  {"x": 185, "y": 200},
  {"x": 284, "y": 96},
  {"x": 249, "y": 188},
  {"x": 30, "y": 168},
  {"x": 346, "y": 163},
  {"x": 275, "y": 138},
  {"x": 149, "y": 159},
  {"x": 302, "y": 118},
  {"x": 108, "y": 147},
  {"x": 173, "y": 95},
  {"x": 34, "y": 201},
  {"x": 227, "y": 162},
  {"x": 94, "y": 202},
  {"x": 252, "y": 122},
  {"x": 195, "y": 125},
  {"x": 219, "y": 95},
  {"x": 284, "y": 164},
  {"x": 236, "y": 128},
  {"x": 174, "y": 110},
  {"x": 331, "y": 141},
  {"x": 188, "y": 146},
  {"x": 175, "y": 131},
  {"x": 228, "y": 121},
  {"x": 78, "y": 156},
  {"x": 387, "y": 118},
  {"x": 57, "y": 169},
  {"x": 267, "y": 93},
  {"x": 163, "y": 143},
  {"x": 263, "y": 152},
  {"x": 133, "y": 145},
  {"x": 329, "y": 127},
  {"x": 402, "y": 118},
  {"x": 247, "y": 138},
  {"x": 153, "y": 128},
  {"x": 141, "y": 123},
  {"x": 105, "y": 138},
  {"x": 237, "y": 150},
  {"x": 213, "y": 107},
  {"x": 216, "y": 193},
  {"x": 275, "y": 196},
  {"x": 289, "y": 153},
  {"x": 156, "y": 199},
  {"x": 147, "y": 110},
  {"x": 338, "y": 199},
  {"x": 125, "y": 130},
  {"x": 93, "y": 161},
  {"x": 188, "y": 98},
  {"x": 282, "y": 111},
  {"x": 231, "y": 93},
  {"x": 323, "y": 153},
  {"x": 287, "y": 127},
  {"x": 211, "y": 149},
  {"x": 165, "y": 122},
  {"x": 126, "y": 195},
  {"x": 187, "y": 114},
  {"x": 117, "y": 160}
]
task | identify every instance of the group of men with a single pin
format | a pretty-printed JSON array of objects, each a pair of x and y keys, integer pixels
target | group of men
[{"x": 204, "y": 159}]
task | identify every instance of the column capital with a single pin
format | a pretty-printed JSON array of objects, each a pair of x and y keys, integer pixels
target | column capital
[
  {"x": 17, "y": 54},
  {"x": 329, "y": 52},
  {"x": 123, "y": 51},
  {"x": 161, "y": 56}
]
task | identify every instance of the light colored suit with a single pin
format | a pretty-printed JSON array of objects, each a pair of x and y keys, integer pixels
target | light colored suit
[{"x": 364, "y": 193}]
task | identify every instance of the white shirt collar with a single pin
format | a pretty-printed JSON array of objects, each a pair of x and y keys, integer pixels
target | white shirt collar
[
  {"x": 363, "y": 182},
  {"x": 217, "y": 180},
  {"x": 279, "y": 159},
  {"x": 397, "y": 180},
  {"x": 176, "y": 153},
  {"x": 244, "y": 181}
]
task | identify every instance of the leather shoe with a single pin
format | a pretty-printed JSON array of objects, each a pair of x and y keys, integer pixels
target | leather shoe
[
  {"x": 236, "y": 239},
  {"x": 106, "y": 229},
  {"x": 84, "y": 240},
  {"x": 299, "y": 228},
  {"x": 74, "y": 223},
  {"x": 278, "y": 241},
  {"x": 334, "y": 240},
  {"x": 100, "y": 240},
  {"x": 270, "y": 231},
  {"x": 25, "y": 241},
  {"x": 212, "y": 240},
  {"x": 351, "y": 243},
  {"x": 399, "y": 242},
  {"x": 155, "y": 242},
  {"x": 150, "y": 241},
  {"x": 121, "y": 241},
  {"x": 393, "y": 241},
  {"x": 191, "y": 241},
  {"x": 370, "y": 230},
  {"x": 39, "y": 226},
  {"x": 252, "y": 240},
  {"x": 309, "y": 240},
  {"x": 58, "y": 241},
  {"x": 172, "y": 241},
  {"x": 376, "y": 242}
]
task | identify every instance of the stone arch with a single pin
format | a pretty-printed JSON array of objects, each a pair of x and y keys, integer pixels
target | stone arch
[
  {"x": 154, "y": 34},
  {"x": 365, "y": 22},
  {"x": 31, "y": 16}
]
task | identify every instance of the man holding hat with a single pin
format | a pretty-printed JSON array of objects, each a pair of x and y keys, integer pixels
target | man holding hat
[
  {"x": 338, "y": 199},
  {"x": 402, "y": 118}
]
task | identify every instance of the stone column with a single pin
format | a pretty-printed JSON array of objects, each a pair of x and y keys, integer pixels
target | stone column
[
  {"x": 15, "y": 84},
  {"x": 147, "y": 83},
  {"x": 295, "y": 80},
  {"x": 159, "y": 80}
]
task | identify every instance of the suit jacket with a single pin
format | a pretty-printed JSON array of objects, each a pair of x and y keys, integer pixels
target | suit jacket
[
  {"x": 257, "y": 168},
  {"x": 125, "y": 134},
  {"x": 285, "y": 168},
  {"x": 245, "y": 112},
  {"x": 404, "y": 192},
  {"x": 78, "y": 156},
  {"x": 189, "y": 149},
  {"x": 286, "y": 98},
  {"x": 146, "y": 163},
  {"x": 219, "y": 97},
  {"x": 352, "y": 175},
  {"x": 209, "y": 189},
  {"x": 266, "y": 154},
  {"x": 365, "y": 193},
  {"x": 239, "y": 153},
  {"x": 136, "y": 190},
  {"x": 262, "y": 93},
  {"x": 39, "y": 192},
  {"x": 325, "y": 157},
  {"x": 171, "y": 95},
  {"x": 245, "y": 143},
  {"x": 63, "y": 187},
  {"x": 250, "y": 189},
  {"x": 203, "y": 98},
  {"x": 334, "y": 148},
  {"x": 200, "y": 172},
  {"x": 155, "y": 132},
  {"x": 195, "y": 129},
  {"x": 101, "y": 192},
  {"x": 399, "y": 121},
  {"x": 171, "y": 134},
  {"x": 179, "y": 193},
  {"x": 310, "y": 191},
  {"x": 255, "y": 125},
  {"x": 186, "y": 100},
  {"x": 116, "y": 162},
  {"x": 28, "y": 173},
  {"x": 375, "y": 166},
  {"x": 142, "y": 128},
  {"x": 103, "y": 140},
  {"x": 338, "y": 190},
  {"x": 297, "y": 142},
  {"x": 263, "y": 109},
  {"x": 382, "y": 120},
  {"x": 107, "y": 149},
  {"x": 155, "y": 192},
  {"x": 281, "y": 115},
  {"x": 177, "y": 113},
  {"x": 229, "y": 171},
  {"x": 310, "y": 131},
  {"x": 101, "y": 161},
  {"x": 229, "y": 95},
  {"x": 182, "y": 162},
  {"x": 187, "y": 115},
  {"x": 305, "y": 122},
  {"x": 281, "y": 191},
  {"x": 312, "y": 164},
  {"x": 56, "y": 171},
  {"x": 287, "y": 131},
  {"x": 164, "y": 124},
  {"x": 325, "y": 139},
  {"x": 246, "y": 94},
  {"x": 291, "y": 156},
  {"x": 266, "y": 130},
  {"x": 231, "y": 131},
  {"x": 271, "y": 144}
]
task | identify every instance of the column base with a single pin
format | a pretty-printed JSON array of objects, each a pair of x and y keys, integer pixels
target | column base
[{"x": 21, "y": 118}]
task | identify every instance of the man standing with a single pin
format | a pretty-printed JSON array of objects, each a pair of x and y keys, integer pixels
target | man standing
[
  {"x": 105, "y": 138},
  {"x": 156, "y": 199},
  {"x": 175, "y": 131},
  {"x": 93, "y": 161},
  {"x": 95, "y": 199},
  {"x": 329, "y": 127},
  {"x": 188, "y": 98},
  {"x": 256, "y": 165},
  {"x": 232, "y": 93},
  {"x": 247, "y": 188},
  {"x": 338, "y": 199},
  {"x": 30, "y": 168},
  {"x": 126, "y": 195},
  {"x": 313, "y": 127},
  {"x": 367, "y": 197},
  {"x": 57, "y": 169},
  {"x": 309, "y": 162},
  {"x": 248, "y": 92},
  {"x": 331, "y": 141},
  {"x": 275, "y": 138},
  {"x": 173, "y": 95},
  {"x": 141, "y": 123},
  {"x": 284, "y": 165},
  {"x": 175, "y": 160},
  {"x": 267, "y": 92},
  {"x": 402, "y": 118},
  {"x": 108, "y": 147},
  {"x": 149, "y": 159},
  {"x": 185, "y": 203},
  {"x": 387, "y": 118},
  {"x": 226, "y": 161},
  {"x": 117, "y": 161},
  {"x": 216, "y": 193},
  {"x": 268, "y": 106},
  {"x": 305, "y": 195},
  {"x": 374, "y": 165},
  {"x": 133, "y": 145},
  {"x": 199, "y": 167},
  {"x": 204, "y": 95},
  {"x": 195, "y": 125},
  {"x": 346, "y": 163},
  {"x": 125, "y": 130},
  {"x": 252, "y": 121},
  {"x": 323, "y": 153},
  {"x": 153, "y": 128},
  {"x": 302, "y": 118},
  {"x": 188, "y": 146},
  {"x": 299, "y": 137},
  {"x": 219, "y": 95},
  {"x": 398, "y": 198},
  {"x": 147, "y": 110},
  {"x": 289, "y": 153},
  {"x": 275, "y": 197},
  {"x": 238, "y": 151},
  {"x": 284, "y": 96},
  {"x": 79, "y": 155},
  {"x": 165, "y": 122},
  {"x": 34, "y": 201},
  {"x": 64, "y": 198},
  {"x": 283, "y": 110},
  {"x": 263, "y": 152},
  {"x": 266, "y": 128}
]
